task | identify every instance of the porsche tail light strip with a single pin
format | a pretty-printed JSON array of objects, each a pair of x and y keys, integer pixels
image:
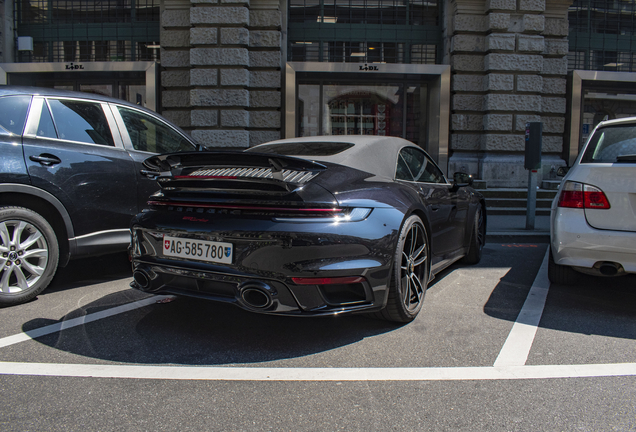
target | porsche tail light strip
[
  {"x": 290, "y": 176},
  {"x": 580, "y": 195},
  {"x": 240, "y": 207},
  {"x": 328, "y": 281},
  {"x": 355, "y": 215}
]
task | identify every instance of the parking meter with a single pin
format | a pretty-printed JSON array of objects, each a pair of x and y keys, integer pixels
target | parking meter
[
  {"x": 534, "y": 132},
  {"x": 532, "y": 162}
]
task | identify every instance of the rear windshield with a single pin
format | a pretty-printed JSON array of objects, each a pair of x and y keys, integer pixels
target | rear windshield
[
  {"x": 13, "y": 110},
  {"x": 303, "y": 148},
  {"x": 611, "y": 143}
]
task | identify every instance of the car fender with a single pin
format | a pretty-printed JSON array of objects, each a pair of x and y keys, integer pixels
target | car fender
[{"x": 50, "y": 199}]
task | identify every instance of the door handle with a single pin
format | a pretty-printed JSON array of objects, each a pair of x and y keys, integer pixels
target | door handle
[
  {"x": 435, "y": 207},
  {"x": 152, "y": 175},
  {"x": 46, "y": 159}
]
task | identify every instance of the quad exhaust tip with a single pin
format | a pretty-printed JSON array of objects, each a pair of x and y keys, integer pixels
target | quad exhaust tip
[
  {"x": 144, "y": 281},
  {"x": 256, "y": 294},
  {"x": 141, "y": 279}
]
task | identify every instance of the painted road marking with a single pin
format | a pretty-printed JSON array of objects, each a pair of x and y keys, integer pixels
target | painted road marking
[
  {"x": 516, "y": 349},
  {"x": 510, "y": 363},
  {"x": 318, "y": 374},
  {"x": 74, "y": 322}
]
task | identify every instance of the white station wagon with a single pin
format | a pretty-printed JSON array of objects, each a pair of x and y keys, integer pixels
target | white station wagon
[{"x": 593, "y": 217}]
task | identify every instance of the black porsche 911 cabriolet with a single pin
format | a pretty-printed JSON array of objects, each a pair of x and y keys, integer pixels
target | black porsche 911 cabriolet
[{"x": 306, "y": 226}]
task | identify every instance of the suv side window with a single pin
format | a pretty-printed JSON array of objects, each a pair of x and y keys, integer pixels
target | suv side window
[
  {"x": 81, "y": 121},
  {"x": 415, "y": 165},
  {"x": 150, "y": 135},
  {"x": 13, "y": 111}
]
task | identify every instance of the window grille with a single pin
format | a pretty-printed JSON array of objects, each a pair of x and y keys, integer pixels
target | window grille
[
  {"x": 364, "y": 31},
  {"x": 89, "y": 30},
  {"x": 602, "y": 35}
]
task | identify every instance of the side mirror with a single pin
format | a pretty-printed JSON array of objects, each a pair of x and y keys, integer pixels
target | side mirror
[
  {"x": 462, "y": 179},
  {"x": 562, "y": 171}
]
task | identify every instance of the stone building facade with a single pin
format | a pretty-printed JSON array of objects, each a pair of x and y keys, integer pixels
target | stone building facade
[
  {"x": 509, "y": 62},
  {"x": 224, "y": 69},
  {"x": 222, "y": 80},
  {"x": 222, "y": 62}
]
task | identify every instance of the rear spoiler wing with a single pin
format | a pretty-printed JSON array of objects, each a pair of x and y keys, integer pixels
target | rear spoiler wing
[{"x": 223, "y": 166}]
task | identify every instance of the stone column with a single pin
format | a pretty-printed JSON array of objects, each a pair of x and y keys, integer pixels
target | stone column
[
  {"x": 175, "y": 62},
  {"x": 219, "y": 76},
  {"x": 221, "y": 62},
  {"x": 509, "y": 63},
  {"x": 265, "y": 71}
]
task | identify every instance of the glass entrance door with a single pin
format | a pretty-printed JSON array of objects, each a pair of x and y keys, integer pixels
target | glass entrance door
[{"x": 336, "y": 108}]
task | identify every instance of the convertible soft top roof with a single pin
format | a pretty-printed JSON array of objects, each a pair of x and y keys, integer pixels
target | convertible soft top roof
[{"x": 373, "y": 154}]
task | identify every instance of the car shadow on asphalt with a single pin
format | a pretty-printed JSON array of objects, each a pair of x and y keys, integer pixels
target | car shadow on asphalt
[
  {"x": 91, "y": 270},
  {"x": 594, "y": 305},
  {"x": 192, "y": 331},
  {"x": 199, "y": 332},
  {"x": 189, "y": 330}
]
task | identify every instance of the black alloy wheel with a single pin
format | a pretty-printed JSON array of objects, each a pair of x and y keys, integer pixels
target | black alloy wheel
[
  {"x": 28, "y": 255},
  {"x": 410, "y": 273}
]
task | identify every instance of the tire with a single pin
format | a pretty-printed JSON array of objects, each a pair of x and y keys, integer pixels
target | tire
[
  {"x": 411, "y": 269},
  {"x": 560, "y": 274},
  {"x": 29, "y": 255},
  {"x": 477, "y": 238}
]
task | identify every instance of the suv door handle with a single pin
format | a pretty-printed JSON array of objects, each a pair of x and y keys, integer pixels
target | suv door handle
[{"x": 46, "y": 159}]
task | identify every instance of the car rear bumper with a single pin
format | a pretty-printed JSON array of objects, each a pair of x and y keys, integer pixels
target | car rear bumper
[
  {"x": 267, "y": 263},
  {"x": 260, "y": 294},
  {"x": 575, "y": 243}
]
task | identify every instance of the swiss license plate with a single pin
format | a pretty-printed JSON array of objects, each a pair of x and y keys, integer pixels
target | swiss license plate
[{"x": 202, "y": 250}]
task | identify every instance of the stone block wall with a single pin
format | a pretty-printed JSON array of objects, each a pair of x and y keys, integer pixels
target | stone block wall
[
  {"x": 3, "y": 35},
  {"x": 221, "y": 70},
  {"x": 509, "y": 67}
]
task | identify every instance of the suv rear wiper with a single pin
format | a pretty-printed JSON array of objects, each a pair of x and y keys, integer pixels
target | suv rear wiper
[{"x": 626, "y": 158}]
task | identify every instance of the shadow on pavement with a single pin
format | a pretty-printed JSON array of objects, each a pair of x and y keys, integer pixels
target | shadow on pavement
[
  {"x": 595, "y": 305},
  {"x": 188, "y": 330},
  {"x": 198, "y": 332},
  {"x": 91, "y": 270}
]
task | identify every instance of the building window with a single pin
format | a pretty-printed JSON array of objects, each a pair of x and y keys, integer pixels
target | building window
[
  {"x": 364, "y": 31},
  {"x": 85, "y": 30},
  {"x": 602, "y": 35}
]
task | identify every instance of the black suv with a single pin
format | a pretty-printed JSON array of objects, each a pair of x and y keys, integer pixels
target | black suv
[{"x": 71, "y": 179}]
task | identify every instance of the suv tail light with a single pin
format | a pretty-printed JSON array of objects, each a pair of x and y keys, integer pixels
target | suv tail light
[{"x": 580, "y": 195}]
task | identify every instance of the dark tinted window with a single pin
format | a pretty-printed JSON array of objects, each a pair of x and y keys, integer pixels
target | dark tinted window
[
  {"x": 304, "y": 148},
  {"x": 414, "y": 165},
  {"x": 81, "y": 121},
  {"x": 13, "y": 111},
  {"x": 150, "y": 135},
  {"x": 610, "y": 142}
]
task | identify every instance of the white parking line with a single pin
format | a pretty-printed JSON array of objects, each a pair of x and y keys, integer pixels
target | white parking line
[
  {"x": 510, "y": 363},
  {"x": 54, "y": 328},
  {"x": 318, "y": 374},
  {"x": 516, "y": 349}
]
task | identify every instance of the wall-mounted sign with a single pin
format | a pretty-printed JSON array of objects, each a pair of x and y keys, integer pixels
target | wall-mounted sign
[
  {"x": 72, "y": 66},
  {"x": 366, "y": 67}
]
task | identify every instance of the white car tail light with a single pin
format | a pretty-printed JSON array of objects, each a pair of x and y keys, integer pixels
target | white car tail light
[{"x": 580, "y": 195}]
